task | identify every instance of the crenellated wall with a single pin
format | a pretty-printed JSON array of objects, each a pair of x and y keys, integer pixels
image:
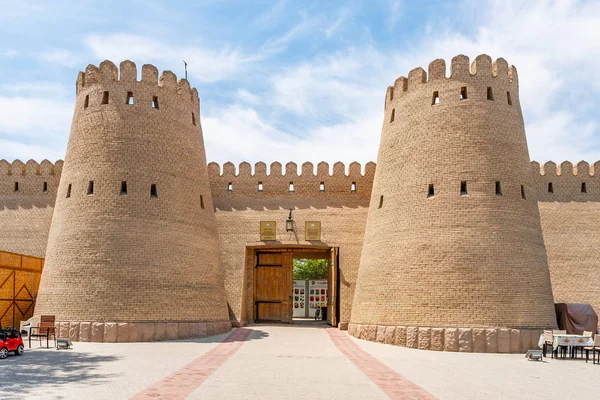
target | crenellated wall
[
  {"x": 27, "y": 196},
  {"x": 570, "y": 216},
  {"x": 341, "y": 210}
]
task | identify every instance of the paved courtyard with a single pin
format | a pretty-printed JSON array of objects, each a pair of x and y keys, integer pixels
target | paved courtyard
[{"x": 285, "y": 362}]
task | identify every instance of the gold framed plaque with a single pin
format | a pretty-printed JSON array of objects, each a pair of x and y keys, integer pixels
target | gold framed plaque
[
  {"x": 268, "y": 230},
  {"x": 312, "y": 230}
]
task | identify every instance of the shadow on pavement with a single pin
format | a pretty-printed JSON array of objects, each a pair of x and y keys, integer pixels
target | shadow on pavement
[{"x": 50, "y": 368}]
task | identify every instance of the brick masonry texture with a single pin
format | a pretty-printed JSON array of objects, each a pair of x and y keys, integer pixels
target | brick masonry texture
[
  {"x": 450, "y": 272},
  {"x": 121, "y": 255},
  {"x": 451, "y": 259}
]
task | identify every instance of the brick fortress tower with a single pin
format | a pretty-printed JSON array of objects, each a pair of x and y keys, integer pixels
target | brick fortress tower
[
  {"x": 133, "y": 252},
  {"x": 453, "y": 255}
]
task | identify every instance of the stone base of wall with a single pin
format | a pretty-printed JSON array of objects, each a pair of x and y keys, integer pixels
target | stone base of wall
[
  {"x": 138, "y": 331},
  {"x": 474, "y": 340}
]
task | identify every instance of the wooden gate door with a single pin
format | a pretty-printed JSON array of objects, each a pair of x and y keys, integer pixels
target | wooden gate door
[
  {"x": 333, "y": 288},
  {"x": 273, "y": 286}
]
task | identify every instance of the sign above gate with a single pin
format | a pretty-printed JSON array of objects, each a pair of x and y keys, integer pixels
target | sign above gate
[
  {"x": 312, "y": 230},
  {"x": 268, "y": 230}
]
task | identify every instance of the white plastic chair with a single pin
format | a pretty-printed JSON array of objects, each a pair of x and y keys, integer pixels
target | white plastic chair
[{"x": 26, "y": 325}]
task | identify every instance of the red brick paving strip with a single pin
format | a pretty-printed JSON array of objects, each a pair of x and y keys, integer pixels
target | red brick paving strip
[
  {"x": 183, "y": 382},
  {"x": 392, "y": 383}
]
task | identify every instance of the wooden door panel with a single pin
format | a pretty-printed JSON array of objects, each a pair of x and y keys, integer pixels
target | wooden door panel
[
  {"x": 270, "y": 287},
  {"x": 270, "y": 311}
]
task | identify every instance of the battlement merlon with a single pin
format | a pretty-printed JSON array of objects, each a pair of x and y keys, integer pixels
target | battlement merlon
[
  {"x": 108, "y": 72},
  {"x": 460, "y": 69},
  {"x": 31, "y": 168},
  {"x": 565, "y": 169},
  {"x": 291, "y": 170}
]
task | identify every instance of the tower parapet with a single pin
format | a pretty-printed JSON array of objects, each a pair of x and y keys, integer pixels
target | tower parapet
[
  {"x": 453, "y": 247},
  {"x": 133, "y": 251}
]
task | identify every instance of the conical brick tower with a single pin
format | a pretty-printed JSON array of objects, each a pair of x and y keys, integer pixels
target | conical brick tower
[
  {"x": 453, "y": 255},
  {"x": 133, "y": 251}
]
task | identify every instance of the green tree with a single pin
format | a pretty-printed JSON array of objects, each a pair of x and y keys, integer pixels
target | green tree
[{"x": 310, "y": 269}]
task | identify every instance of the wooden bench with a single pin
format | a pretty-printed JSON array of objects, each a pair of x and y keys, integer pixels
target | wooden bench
[{"x": 44, "y": 329}]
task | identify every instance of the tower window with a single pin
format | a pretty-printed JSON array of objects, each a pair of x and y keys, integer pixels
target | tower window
[
  {"x": 202, "y": 202},
  {"x": 463, "y": 188},
  {"x": 523, "y": 192},
  {"x": 16, "y": 186},
  {"x": 430, "y": 190},
  {"x": 498, "y": 188},
  {"x": 508, "y": 98},
  {"x": 380, "y": 201},
  {"x": 230, "y": 187},
  {"x": 105, "y": 98},
  {"x": 291, "y": 188},
  {"x": 69, "y": 191},
  {"x": 90, "y": 190},
  {"x": 123, "y": 188},
  {"x": 86, "y": 102},
  {"x": 193, "y": 119},
  {"x": 391, "y": 93},
  {"x": 155, "y": 102},
  {"x": 550, "y": 187},
  {"x": 463, "y": 93},
  {"x": 393, "y": 115},
  {"x": 353, "y": 187},
  {"x": 153, "y": 191},
  {"x": 260, "y": 186},
  {"x": 322, "y": 186},
  {"x": 436, "y": 98},
  {"x": 45, "y": 187},
  {"x": 490, "y": 93},
  {"x": 583, "y": 187},
  {"x": 129, "y": 98}
]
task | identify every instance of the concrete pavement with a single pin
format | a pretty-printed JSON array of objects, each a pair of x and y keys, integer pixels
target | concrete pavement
[{"x": 285, "y": 362}]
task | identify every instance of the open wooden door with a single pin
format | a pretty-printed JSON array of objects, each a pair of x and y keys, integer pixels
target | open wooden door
[
  {"x": 273, "y": 287},
  {"x": 333, "y": 288}
]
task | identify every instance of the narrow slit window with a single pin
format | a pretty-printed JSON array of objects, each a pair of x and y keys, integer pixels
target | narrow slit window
[
  {"x": 393, "y": 115},
  {"x": 129, "y": 98},
  {"x": 16, "y": 186},
  {"x": 391, "y": 93},
  {"x": 490, "y": 93},
  {"x": 202, "y": 202},
  {"x": 498, "y": 188},
  {"x": 291, "y": 188},
  {"x": 86, "y": 102},
  {"x": 380, "y": 201},
  {"x": 353, "y": 187},
  {"x": 463, "y": 93},
  {"x": 123, "y": 188},
  {"x": 436, "y": 98},
  {"x": 193, "y": 119},
  {"x": 322, "y": 186},
  {"x": 230, "y": 187},
  {"x": 45, "y": 187},
  {"x": 69, "y": 191},
  {"x": 260, "y": 186},
  {"x": 508, "y": 98},
  {"x": 550, "y": 187},
  {"x": 523, "y": 192},
  {"x": 153, "y": 191},
  {"x": 463, "y": 188},
  {"x": 155, "y": 102},
  {"x": 583, "y": 187},
  {"x": 430, "y": 191},
  {"x": 105, "y": 98},
  {"x": 90, "y": 190}
]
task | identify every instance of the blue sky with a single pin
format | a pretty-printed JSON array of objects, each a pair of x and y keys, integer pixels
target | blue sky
[{"x": 298, "y": 80}]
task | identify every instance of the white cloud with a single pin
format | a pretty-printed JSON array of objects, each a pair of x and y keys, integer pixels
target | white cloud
[
  {"x": 206, "y": 64},
  {"x": 8, "y": 53},
  {"x": 62, "y": 57}
]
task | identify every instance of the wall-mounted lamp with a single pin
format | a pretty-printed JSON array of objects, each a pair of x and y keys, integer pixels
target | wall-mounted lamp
[{"x": 289, "y": 223}]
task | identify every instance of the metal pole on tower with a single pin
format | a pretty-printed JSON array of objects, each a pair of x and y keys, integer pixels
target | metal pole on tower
[{"x": 185, "y": 67}]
